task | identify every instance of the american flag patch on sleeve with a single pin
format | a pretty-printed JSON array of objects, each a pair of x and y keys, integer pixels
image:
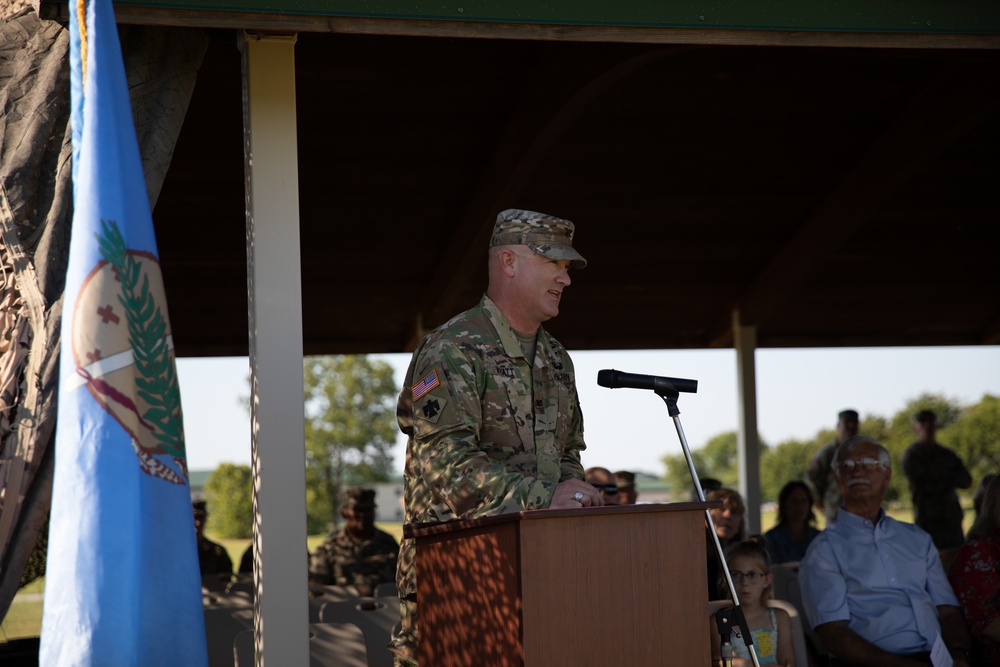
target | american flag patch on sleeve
[{"x": 429, "y": 382}]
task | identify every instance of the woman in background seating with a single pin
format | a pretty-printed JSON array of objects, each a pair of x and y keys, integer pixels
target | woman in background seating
[
  {"x": 787, "y": 541},
  {"x": 730, "y": 527},
  {"x": 975, "y": 576}
]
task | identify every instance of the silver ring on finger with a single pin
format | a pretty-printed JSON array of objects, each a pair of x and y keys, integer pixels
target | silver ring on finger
[{"x": 578, "y": 497}]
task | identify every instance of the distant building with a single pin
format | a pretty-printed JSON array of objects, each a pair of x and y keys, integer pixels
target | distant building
[
  {"x": 389, "y": 500},
  {"x": 197, "y": 479},
  {"x": 651, "y": 489}
]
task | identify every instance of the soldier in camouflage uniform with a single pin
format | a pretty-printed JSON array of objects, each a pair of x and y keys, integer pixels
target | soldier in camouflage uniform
[
  {"x": 934, "y": 472},
  {"x": 822, "y": 476},
  {"x": 213, "y": 559},
  {"x": 489, "y": 403},
  {"x": 358, "y": 555}
]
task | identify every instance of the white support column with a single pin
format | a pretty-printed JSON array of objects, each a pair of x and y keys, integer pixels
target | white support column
[
  {"x": 747, "y": 443},
  {"x": 274, "y": 283}
]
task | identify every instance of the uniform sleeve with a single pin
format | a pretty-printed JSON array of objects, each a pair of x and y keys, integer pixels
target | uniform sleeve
[
  {"x": 570, "y": 465},
  {"x": 445, "y": 450},
  {"x": 914, "y": 470},
  {"x": 815, "y": 477},
  {"x": 391, "y": 551},
  {"x": 319, "y": 567},
  {"x": 819, "y": 474},
  {"x": 959, "y": 476},
  {"x": 225, "y": 563},
  {"x": 824, "y": 590}
]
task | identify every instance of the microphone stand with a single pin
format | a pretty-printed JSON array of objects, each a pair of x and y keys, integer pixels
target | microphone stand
[
  {"x": 669, "y": 394},
  {"x": 724, "y": 622}
]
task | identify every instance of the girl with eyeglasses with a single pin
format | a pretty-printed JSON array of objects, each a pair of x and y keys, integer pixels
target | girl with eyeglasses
[{"x": 750, "y": 569}]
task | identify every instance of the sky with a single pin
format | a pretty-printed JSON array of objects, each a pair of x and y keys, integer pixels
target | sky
[{"x": 799, "y": 391}]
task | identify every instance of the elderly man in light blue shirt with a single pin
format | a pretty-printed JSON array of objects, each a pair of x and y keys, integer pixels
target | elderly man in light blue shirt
[{"x": 872, "y": 587}]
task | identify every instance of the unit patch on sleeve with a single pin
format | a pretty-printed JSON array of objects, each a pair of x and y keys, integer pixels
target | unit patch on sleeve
[{"x": 430, "y": 408}]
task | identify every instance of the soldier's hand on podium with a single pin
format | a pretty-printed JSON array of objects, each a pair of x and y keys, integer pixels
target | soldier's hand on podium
[{"x": 575, "y": 493}]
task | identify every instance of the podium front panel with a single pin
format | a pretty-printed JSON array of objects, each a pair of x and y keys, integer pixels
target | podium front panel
[
  {"x": 615, "y": 588},
  {"x": 595, "y": 586},
  {"x": 468, "y": 603}
]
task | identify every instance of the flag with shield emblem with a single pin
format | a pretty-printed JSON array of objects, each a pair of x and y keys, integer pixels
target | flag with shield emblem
[{"x": 122, "y": 584}]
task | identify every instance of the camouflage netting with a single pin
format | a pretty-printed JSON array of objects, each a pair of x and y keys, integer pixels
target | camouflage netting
[{"x": 35, "y": 217}]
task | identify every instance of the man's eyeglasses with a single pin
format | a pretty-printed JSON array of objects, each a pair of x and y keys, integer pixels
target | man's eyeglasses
[
  {"x": 751, "y": 577},
  {"x": 609, "y": 489},
  {"x": 867, "y": 463}
]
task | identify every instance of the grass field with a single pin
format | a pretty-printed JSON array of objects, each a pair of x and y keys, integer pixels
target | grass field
[{"x": 24, "y": 619}]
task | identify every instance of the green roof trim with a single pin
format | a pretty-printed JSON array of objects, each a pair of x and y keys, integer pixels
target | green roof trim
[
  {"x": 922, "y": 16},
  {"x": 197, "y": 478}
]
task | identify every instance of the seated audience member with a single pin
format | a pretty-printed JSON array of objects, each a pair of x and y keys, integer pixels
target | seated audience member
[
  {"x": 359, "y": 554},
  {"x": 975, "y": 576},
  {"x": 707, "y": 484},
  {"x": 602, "y": 480},
  {"x": 872, "y": 587},
  {"x": 730, "y": 528},
  {"x": 750, "y": 569},
  {"x": 246, "y": 562},
  {"x": 977, "y": 498},
  {"x": 787, "y": 541},
  {"x": 212, "y": 557},
  {"x": 627, "y": 495}
]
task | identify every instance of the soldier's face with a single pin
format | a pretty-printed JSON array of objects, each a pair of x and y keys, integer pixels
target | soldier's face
[
  {"x": 627, "y": 496},
  {"x": 540, "y": 282},
  {"x": 925, "y": 431},
  {"x": 847, "y": 429},
  {"x": 359, "y": 520}
]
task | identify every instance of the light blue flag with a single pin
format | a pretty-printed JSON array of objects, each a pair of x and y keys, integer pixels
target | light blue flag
[{"x": 122, "y": 585}]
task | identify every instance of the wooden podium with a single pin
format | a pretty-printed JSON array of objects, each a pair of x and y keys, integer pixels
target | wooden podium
[{"x": 619, "y": 585}]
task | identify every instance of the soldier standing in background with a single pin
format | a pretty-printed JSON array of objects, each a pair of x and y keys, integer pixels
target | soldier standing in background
[
  {"x": 822, "y": 476},
  {"x": 359, "y": 554},
  {"x": 489, "y": 404},
  {"x": 212, "y": 557},
  {"x": 934, "y": 472}
]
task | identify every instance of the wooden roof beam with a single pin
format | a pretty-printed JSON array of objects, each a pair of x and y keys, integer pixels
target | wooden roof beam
[
  {"x": 953, "y": 100},
  {"x": 556, "y": 98}
]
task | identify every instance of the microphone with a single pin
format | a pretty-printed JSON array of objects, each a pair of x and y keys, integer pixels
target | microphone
[{"x": 613, "y": 379}]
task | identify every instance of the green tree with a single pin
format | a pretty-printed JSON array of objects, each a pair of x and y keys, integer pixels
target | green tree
[
  {"x": 975, "y": 437},
  {"x": 350, "y": 408},
  {"x": 783, "y": 463},
  {"x": 717, "y": 458},
  {"x": 678, "y": 474},
  {"x": 229, "y": 492}
]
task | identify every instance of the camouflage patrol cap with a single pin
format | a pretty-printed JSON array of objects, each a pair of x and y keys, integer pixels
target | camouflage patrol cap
[
  {"x": 357, "y": 496},
  {"x": 547, "y": 235},
  {"x": 625, "y": 479}
]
